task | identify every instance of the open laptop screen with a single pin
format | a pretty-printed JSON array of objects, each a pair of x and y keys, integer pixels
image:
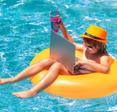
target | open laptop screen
[{"x": 62, "y": 51}]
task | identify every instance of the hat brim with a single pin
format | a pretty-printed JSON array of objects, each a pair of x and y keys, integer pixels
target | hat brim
[{"x": 85, "y": 36}]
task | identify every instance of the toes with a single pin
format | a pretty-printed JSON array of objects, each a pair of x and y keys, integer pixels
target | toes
[
  {"x": 1, "y": 82},
  {"x": 20, "y": 94},
  {"x": 23, "y": 94},
  {"x": 16, "y": 94}
]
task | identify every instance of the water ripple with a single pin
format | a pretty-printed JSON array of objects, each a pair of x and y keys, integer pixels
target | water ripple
[{"x": 25, "y": 31}]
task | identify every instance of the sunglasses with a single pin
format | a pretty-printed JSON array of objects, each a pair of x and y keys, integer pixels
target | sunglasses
[{"x": 90, "y": 42}]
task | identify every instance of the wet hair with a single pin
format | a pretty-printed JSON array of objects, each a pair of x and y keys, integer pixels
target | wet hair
[{"x": 102, "y": 50}]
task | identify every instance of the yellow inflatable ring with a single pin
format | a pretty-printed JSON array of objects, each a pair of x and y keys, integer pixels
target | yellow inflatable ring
[{"x": 92, "y": 85}]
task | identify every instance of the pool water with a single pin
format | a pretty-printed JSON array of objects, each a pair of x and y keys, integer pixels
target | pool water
[{"x": 25, "y": 31}]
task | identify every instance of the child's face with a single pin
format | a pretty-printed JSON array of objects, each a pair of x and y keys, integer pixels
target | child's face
[{"x": 92, "y": 45}]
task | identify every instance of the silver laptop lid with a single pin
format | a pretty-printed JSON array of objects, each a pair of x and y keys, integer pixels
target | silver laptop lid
[{"x": 62, "y": 51}]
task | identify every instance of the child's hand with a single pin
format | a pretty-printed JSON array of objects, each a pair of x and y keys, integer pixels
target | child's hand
[
  {"x": 55, "y": 23},
  {"x": 80, "y": 62},
  {"x": 84, "y": 62},
  {"x": 56, "y": 20},
  {"x": 55, "y": 17}
]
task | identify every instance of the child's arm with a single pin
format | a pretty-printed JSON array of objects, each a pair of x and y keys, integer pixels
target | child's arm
[
  {"x": 69, "y": 37},
  {"x": 103, "y": 66},
  {"x": 65, "y": 33}
]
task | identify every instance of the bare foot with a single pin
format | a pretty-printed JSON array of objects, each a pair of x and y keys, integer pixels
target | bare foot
[
  {"x": 5, "y": 80},
  {"x": 25, "y": 94}
]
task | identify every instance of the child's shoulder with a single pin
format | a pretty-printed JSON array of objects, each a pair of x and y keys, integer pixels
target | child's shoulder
[{"x": 105, "y": 59}]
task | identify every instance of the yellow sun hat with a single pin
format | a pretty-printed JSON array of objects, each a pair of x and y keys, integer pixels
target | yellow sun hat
[{"x": 96, "y": 33}]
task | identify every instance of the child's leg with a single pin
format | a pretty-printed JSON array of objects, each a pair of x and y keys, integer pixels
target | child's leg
[
  {"x": 53, "y": 73},
  {"x": 30, "y": 71}
]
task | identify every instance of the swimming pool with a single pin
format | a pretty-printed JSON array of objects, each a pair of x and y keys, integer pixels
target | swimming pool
[{"x": 25, "y": 31}]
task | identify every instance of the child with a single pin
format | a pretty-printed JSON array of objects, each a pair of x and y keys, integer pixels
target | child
[{"x": 95, "y": 59}]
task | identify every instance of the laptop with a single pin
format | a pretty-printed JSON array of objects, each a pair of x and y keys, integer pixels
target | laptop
[{"x": 62, "y": 51}]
